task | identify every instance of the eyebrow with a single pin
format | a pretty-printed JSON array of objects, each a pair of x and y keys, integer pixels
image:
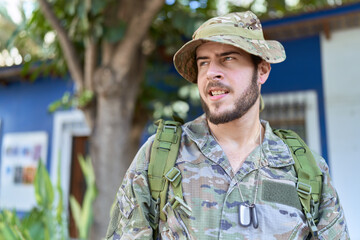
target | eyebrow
[{"x": 219, "y": 55}]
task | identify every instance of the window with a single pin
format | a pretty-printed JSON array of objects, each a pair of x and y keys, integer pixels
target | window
[{"x": 297, "y": 111}]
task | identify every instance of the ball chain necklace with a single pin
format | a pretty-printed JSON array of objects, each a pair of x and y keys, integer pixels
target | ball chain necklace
[{"x": 248, "y": 212}]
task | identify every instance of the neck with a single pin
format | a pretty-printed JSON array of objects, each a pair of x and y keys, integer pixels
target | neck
[{"x": 242, "y": 132}]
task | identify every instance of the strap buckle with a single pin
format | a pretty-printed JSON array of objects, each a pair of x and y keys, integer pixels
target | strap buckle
[
  {"x": 178, "y": 202},
  {"x": 314, "y": 210},
  {"x": 312, "y": 225},
  {"x": 154, "y": 212},
  {"x": 172, "y": 174},
  {"x": 170, "y": 127},
  {"x": 303, "y": 188}
]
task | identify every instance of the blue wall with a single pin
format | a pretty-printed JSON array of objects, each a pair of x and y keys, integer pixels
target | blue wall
[
  {"x": 301, "y": 71},
  {"x": 23, "y": 106}
]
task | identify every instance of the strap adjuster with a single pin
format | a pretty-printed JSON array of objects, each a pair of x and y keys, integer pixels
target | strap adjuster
[
  {"x": 178, "y": 202},
  {"x": 172, "y": 174},
  {"x": 314, "y": 210},
  {"x": 305, "y": 188},
  {"x": 171, "y": 127},
  {"x": 154, "y": 212},
  {"x": 312, "y": 225}
]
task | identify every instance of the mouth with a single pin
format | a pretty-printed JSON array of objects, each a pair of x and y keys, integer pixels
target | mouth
[{"x": 217, "y": 92}]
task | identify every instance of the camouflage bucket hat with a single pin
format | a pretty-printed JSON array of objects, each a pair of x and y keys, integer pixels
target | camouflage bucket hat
[{"x": 241, "y": 29}]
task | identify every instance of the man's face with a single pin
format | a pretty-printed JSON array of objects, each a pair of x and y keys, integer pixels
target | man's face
[{"x": 227, "y": 81}]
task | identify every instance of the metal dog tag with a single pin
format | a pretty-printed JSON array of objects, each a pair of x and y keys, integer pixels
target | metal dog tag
[
  {"x": 244, "y": 215},
  {"x": 254, "y": 217}
]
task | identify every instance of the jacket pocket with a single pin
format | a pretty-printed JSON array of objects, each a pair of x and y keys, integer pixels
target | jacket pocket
[
  {"x": 175, "y": 227},
  {"x": 120, "y": 214}
]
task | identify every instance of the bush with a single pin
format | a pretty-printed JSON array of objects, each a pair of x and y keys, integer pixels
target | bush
[{"x": 47, "y": 220}]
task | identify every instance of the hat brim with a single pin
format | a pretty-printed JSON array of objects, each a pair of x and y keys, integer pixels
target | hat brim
[{"x": 185, "y": 62}]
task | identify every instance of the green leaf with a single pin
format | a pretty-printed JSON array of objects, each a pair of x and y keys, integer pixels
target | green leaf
[
  {"x": 44, "y": 192},
  {"x": 66, "y": 101},
  {"x": 98, "y": 30},
  {"x": 51, "y": 227},
  {"x": 76, "y": 210},
  {"x": 98, "y": 6},
  {"x": 83, "y": 216},
  {"x": 87, "y": 214},
  {"x": 34, "y": 75},
  {"x": 33, "y": 224},
  {"x": 54, "y": 106},
  {"x": 7, "y": 232},
  {"x": 88, "y": 170},
  {"x": 85, "y": 98},
  {"x": 70, "y": 7},
  {"x": 10, "y": 226},
  {"x": 90, "y": 195},
  {"x": 114, "y": 34},
  {"x": 60, "y": 206},
  {"x": 14, "y": 35}
]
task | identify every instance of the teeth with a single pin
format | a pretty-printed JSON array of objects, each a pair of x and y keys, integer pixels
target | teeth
[{"x": 215, "y": 93}]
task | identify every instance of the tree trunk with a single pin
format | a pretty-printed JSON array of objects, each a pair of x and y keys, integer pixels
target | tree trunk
[
  {"x": 113, "y": 136},
  {"x": 109, "y": 141},
  {"x": 115, "y": 83}
]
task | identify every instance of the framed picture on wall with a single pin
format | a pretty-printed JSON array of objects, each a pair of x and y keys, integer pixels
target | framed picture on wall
[{"x": 20, "y": 155}]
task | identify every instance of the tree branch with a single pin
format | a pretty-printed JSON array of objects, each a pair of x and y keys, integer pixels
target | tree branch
[
  {"x": 68, "y": 48},
  {"x": 136, "y": 31},
  {"x": 107, "y": 51},
  {"x": 90, "y": 64}
]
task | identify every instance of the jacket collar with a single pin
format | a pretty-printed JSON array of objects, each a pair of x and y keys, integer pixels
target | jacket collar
[{"x": 276, "y": 152}]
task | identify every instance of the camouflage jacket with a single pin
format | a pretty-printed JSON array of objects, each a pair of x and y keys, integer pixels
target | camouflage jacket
[{"x": 212, "y": 198}]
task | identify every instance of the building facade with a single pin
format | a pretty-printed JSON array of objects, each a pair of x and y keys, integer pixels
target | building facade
[{"x": 316, "y": 91}]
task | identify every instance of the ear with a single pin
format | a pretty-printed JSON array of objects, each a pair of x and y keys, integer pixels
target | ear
[{"x": 263, "y": 71}]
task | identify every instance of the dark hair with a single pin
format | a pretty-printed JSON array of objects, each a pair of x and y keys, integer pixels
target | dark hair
[{"x": 256, "y": 60}]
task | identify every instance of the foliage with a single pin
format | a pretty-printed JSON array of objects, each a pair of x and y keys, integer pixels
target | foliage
[
  {"x": 47, "y": 220},
  {"x": 83, "y": 216},
  {"x": 162, "y": 92},
  {"x": 173, "y": 26},
  {"x": 69, "y": 100},
  {"x": 15, "y": 45},
  {"x": 36, "y": 40}
]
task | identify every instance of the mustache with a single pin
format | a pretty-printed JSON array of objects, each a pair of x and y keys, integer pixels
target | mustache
[{"x": 217, "y": 85}]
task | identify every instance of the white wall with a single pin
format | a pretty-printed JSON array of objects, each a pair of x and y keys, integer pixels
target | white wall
[
  {"x": 67, "y": 124},
  {"x": 341, "y": 75}
]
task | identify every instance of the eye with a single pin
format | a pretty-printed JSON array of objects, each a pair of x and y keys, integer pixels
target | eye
[
  {"x": 228, "y": 58},
  {"x": 202, "y": 63}
]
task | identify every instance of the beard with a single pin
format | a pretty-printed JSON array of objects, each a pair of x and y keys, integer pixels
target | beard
[{"x": 241, "y": 106}]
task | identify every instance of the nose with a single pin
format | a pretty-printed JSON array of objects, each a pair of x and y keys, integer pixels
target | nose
[{"x": 214, "y": 71}]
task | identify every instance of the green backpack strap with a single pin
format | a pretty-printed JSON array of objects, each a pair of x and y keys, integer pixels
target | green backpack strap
[
  {"x": 161, "y": 170},
  {"x": 309, "y": 175}
]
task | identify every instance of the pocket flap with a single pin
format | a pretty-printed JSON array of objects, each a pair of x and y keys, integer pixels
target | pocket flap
[{"x": 126, "y": 206}]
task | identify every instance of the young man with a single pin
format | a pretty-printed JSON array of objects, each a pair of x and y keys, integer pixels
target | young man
[{"x": 238, "y": 178}]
